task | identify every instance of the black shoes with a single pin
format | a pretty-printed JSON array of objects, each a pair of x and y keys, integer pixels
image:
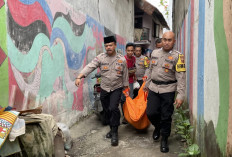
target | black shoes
[
  {"x": 124, "y": 121},
  {"x": 113, "y": 134},
  {"x": 164, "y": 141},
  {"x": 164, "y": 145},
  {"x": 109, "y": 134},
  {"x": 156, "y": 134},
  {"x": 114, "y": 138}
]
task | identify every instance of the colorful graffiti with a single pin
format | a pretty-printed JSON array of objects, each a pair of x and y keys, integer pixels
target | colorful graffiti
[
  {"x": 1, "y": 3},
  {"x": 204, "y": 39},
  {"x": 48, "y": 43},
  {"x": 3, "y": 56},
  {"x": 2, "y": 53}
]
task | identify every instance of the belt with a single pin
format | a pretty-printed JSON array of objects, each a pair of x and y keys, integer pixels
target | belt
[{"x": 163, "y": 83}]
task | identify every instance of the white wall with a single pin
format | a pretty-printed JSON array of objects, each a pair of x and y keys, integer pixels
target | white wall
[
  {"x": 116, "y": 15},
  {"x": 147, "y": 22}
]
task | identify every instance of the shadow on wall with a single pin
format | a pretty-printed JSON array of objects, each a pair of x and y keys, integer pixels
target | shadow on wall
[{"x": 212, "y": 148}]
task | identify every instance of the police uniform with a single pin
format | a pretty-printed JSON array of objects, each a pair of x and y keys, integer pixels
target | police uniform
[
  {"x": 166, "y": 75},
  {"x": 114, "y": 76},
  {"x": 141, "y": 64}
]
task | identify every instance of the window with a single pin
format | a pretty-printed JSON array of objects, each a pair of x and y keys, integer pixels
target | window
[
  {"x": 145, "y": 34},
  {"x": 139, "y": 22},
  {"x": 155, "y": 30}
]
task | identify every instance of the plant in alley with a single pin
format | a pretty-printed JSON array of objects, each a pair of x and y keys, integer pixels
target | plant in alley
[{"x": 184, "y": 129}]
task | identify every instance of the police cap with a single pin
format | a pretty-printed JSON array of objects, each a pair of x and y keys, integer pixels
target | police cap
[{"x": 109, "y": 39}]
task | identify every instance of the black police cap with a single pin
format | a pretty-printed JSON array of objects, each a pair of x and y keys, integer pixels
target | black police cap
[{"x": 109, "y": 39}]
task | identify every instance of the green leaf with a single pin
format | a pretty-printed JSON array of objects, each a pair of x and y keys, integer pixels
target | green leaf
[
  {"x": 180, "y": 132},
  {"x": 193, "y": 149},
  {"x": 183, "y": 136},
  {"x": 180, "y": 127},
  {"x": 187, "y": 121},
  {"x": 176, "y": 114}
]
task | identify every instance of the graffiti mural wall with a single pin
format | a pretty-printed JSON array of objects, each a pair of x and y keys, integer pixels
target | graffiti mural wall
[
  {"x": 48, "y": 43},
  {"x": 3, "y": 55},
  {"x": 205, "y": 39}
]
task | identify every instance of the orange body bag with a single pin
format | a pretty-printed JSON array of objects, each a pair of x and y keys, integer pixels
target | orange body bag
[{"x": 135, "y": 109}]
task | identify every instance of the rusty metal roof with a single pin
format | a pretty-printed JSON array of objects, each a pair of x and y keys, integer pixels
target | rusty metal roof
[{"x": 152, "y": 11}]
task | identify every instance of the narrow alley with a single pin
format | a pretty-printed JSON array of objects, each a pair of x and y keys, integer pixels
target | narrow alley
[
  {"x": 51, "y": 51},
  {"x": 89, "y": 141}
]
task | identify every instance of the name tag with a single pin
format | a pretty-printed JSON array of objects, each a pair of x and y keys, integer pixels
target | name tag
[
  {"x": 155, "y": 57},
  {"x": 104, "y": 63},
  {"x": 169, "y": 61}
]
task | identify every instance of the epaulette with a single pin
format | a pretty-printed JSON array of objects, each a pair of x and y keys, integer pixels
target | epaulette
[
  {"x": 157, "y": 50},
  {"x": 120, "y": 55},
  {"x": 177, "y": 51},
  {"x": 102, "y": 54}
]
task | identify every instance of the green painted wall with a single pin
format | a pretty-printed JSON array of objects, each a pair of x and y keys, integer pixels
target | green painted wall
[
  {"x": 4, "y": 90},
  {"x": 223, "y": 70}
]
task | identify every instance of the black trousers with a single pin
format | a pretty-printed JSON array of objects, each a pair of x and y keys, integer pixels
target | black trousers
[
  {"x": 159, "y": 111},
  {"x": 110, "y": 102},
  {"x": 136, "y": 91}
]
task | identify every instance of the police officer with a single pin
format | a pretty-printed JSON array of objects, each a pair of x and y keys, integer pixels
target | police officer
[
  {"x": 114, "y": 77},
  {"x": 166, "y": 76},
  {"x": 141, "y": 64},
  {"x": 158, "y": 43}
]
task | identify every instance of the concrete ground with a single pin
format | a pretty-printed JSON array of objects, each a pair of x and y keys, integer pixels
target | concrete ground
[{"x": 89, "y": 141}]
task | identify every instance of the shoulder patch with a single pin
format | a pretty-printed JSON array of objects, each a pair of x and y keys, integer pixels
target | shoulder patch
[
  {"x": 178, "y": 52},
  {"x": 146, "y": 62},
  {"x": 120, "y": 55},
  {"x": 180, "y": 65},
  {"x": 102, "y": 54},
  {"x": 120, "y": 61},
  {"x": 170, "y": 57}
]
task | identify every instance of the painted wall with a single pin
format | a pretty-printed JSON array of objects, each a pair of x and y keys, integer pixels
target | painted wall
[
  {"x": 46, "y": 44},
  {"x": 204, "y": 36},
  {"x": 179, "y": 9},
  {"x": 116, "y": 15},
  {"x": 3, "y": 56}
]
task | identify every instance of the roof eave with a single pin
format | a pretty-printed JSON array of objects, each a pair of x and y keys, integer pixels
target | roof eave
[{"x": 152, "y": 11}]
